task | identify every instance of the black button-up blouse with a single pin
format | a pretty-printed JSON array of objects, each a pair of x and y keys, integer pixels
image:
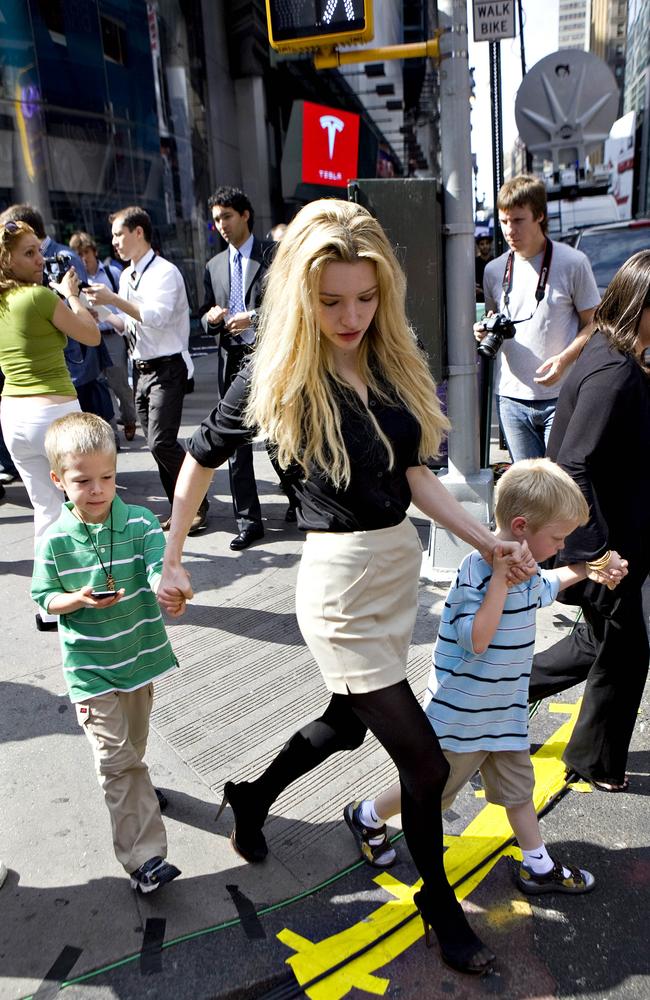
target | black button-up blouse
[{"x": 376, "y": 496}]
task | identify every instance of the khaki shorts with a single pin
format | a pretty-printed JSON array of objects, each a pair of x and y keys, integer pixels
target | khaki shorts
[{"x": 508, "y": 776}]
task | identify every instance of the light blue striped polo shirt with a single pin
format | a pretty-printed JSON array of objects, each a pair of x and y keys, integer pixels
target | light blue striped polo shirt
[{"x": 479, "y": 701}]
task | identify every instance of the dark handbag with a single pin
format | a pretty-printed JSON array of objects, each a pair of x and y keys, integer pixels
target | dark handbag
[{"x": 95, "y": 397}]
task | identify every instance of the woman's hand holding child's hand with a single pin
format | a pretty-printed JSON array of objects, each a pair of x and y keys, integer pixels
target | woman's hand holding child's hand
[{"x": 520, "y": 562}]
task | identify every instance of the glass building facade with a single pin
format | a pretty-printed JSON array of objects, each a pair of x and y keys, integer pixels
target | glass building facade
[
  {"x": 109, "y": 103},
  {"x": 98, "y": 111}
]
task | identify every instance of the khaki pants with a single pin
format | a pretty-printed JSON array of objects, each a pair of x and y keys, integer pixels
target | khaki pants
[{"x": 117, "y": 726}]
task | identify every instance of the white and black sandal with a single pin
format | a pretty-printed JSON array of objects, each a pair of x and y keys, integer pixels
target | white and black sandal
[{"x": 379, "y": 853}]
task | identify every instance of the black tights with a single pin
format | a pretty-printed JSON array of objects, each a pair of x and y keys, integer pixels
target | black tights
[{"x": 397, "y": 720}]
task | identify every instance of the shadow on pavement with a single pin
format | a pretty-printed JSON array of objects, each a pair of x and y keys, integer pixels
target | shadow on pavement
[
  {"x": 271, "y": 626},
  {"x": 19, "y": 567},
  {"x": 30, "y": 711}
]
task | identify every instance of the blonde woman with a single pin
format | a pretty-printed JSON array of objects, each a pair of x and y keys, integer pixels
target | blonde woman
[
  {"x": 34, "y": 325},
  {"x": 339, "y": 387}
]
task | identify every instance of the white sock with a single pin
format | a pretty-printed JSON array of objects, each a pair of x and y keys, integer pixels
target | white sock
[
  {"x": 368, "y": 816},
  {"x": 540, "y": 861}
]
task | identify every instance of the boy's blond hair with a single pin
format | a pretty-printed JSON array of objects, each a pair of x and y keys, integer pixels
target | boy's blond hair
[
  {"x": 77, "y": 434},
  {"x": 540, "y": 491}
]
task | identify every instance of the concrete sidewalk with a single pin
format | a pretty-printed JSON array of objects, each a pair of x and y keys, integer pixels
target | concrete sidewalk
[{"x": 246, "y": 683}]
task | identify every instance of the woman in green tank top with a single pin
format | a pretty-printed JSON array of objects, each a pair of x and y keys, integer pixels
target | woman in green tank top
[{"x": 34, "y": 324}]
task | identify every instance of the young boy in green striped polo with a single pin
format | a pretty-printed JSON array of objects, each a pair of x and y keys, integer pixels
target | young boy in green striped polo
[{"x": 98, "y": 567}]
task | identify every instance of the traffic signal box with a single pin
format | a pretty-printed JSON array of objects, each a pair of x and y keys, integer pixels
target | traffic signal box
[{"x": 300, "y": 25}]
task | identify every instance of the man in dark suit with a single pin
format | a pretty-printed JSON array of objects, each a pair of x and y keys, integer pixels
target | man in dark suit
[{"x": 233, "y": 293}]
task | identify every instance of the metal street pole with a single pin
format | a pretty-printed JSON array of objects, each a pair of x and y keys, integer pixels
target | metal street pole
[
  {"x": 522, "y": 53},
  {"x": 471, "y": 485},
  {"x": 497, "y": 138}
]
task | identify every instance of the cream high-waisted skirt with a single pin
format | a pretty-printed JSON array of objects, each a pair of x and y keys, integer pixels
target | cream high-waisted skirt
[{"x": 356, "y": 601}]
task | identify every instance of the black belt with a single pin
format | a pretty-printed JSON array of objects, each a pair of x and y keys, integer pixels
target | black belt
[{"x": 153, "y": 364}]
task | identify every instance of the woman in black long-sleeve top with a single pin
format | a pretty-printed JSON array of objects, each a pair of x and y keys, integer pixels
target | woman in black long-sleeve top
[
  {"x": 338, "y": 386},
  {"x": 601, "y": 436}
]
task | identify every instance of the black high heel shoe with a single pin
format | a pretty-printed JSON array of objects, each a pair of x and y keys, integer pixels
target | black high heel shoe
[
  {"x": 462, "y": 950},
  {"x": 247, "y": 837}
]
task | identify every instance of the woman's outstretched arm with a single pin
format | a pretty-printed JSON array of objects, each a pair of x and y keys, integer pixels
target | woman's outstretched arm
[
  {"x": 191, "y": 486},
  {"x": 431, "y": 497}
]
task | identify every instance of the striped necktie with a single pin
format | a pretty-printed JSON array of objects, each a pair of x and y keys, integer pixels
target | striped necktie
[{"x": 132, "y": 331}]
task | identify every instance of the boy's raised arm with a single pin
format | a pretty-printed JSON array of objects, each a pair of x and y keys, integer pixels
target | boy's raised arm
[{"x": 488, "y": 616}]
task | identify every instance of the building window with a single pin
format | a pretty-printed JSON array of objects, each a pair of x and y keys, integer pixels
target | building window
[
  {"x": 51, "y": 12},
  {"x": 113, "y": 40}
]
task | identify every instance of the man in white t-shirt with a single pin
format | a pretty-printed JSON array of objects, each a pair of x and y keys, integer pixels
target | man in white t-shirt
[{"x": 556, "y": 315}]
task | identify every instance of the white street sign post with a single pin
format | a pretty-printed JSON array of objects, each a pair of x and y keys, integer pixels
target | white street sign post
[{"x": 494, "y": 21}]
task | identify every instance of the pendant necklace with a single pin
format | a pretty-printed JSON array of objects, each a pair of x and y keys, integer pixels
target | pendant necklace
[{"x": 110, "y": 579}]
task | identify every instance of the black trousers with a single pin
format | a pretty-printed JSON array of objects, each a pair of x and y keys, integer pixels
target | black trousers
[
  {"x": 159, "y": 404},
  {"x": 610, "y": 651},
  {"x": 243, "y": 488}
]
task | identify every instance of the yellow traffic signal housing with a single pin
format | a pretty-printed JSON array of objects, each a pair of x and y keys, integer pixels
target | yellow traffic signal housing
[{"x": 299, "y": 25}]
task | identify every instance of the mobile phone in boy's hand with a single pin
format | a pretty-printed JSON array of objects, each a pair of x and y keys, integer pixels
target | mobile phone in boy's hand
[{"x": 101, "y": 595}]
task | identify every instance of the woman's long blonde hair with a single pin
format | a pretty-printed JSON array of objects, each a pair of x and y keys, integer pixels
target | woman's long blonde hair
[
  {"x": 291, "y": 400},
  {"x": 9, "y": 237}
]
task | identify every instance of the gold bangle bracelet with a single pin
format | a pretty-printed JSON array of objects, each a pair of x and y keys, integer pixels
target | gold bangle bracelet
[{"x": 601, "y": 563}]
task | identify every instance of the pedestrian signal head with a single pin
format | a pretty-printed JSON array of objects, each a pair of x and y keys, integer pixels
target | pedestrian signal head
[{"x": 296, "y": 25}]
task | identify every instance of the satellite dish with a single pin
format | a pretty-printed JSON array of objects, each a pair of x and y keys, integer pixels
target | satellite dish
[{"x": 566, "y": 105}]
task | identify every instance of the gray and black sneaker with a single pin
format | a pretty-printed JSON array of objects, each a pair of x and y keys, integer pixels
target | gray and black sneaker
[
  {"x": 373, "y": 842},
  {"x": 152, "y": 874},
  {"x": 578, "y": 880}
]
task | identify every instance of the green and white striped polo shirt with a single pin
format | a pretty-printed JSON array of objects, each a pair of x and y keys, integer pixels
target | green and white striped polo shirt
[{"x": 123, "y": 647}]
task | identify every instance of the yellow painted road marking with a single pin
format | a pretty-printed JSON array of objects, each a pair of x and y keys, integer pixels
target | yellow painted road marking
[{"x": 482, "y": 836}]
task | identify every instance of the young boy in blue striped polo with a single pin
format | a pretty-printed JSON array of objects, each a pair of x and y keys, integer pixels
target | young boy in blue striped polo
[
  {"x": 477, "y": 696},
  {"x": 98, "y": 567}
]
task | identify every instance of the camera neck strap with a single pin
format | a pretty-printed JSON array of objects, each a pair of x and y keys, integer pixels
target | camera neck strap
[{"x": 542, "y": 280}]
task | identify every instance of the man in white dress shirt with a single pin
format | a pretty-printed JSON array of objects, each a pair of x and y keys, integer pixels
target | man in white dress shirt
[{"x": 155, "y": 318}]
